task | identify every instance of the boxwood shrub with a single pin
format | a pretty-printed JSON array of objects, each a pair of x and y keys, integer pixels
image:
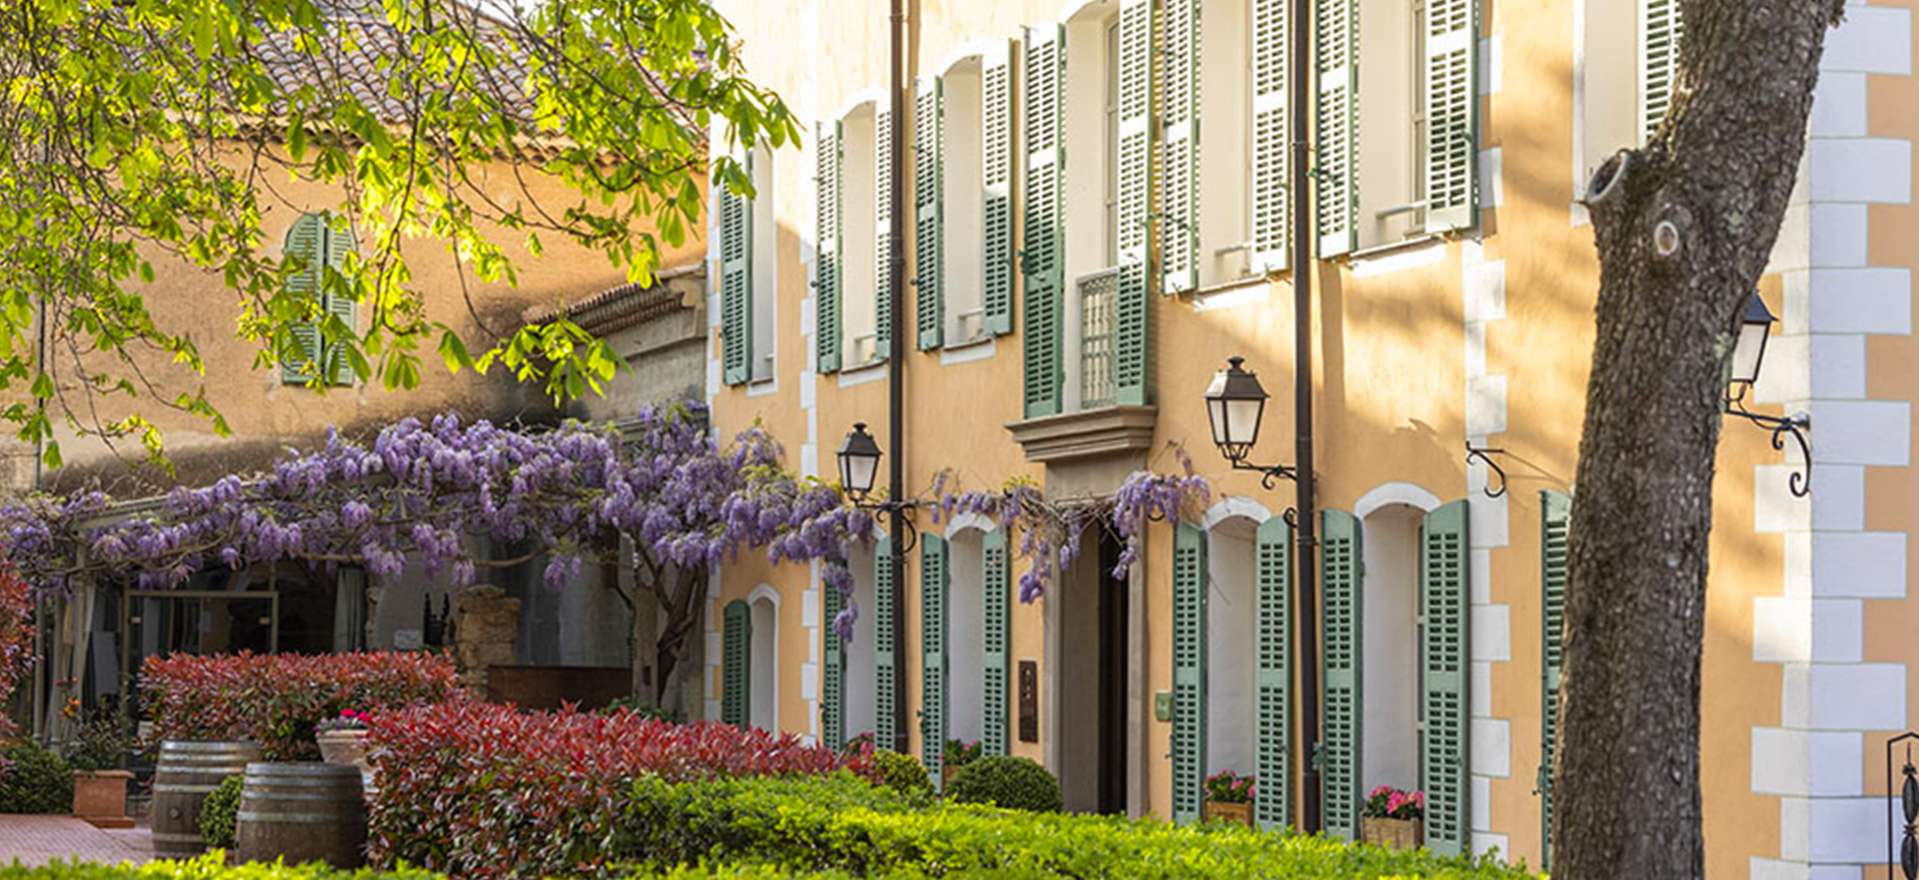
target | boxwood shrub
[
  {"x": 838, "y": 824},
  {"x": 220, "y": 812},
  {"x": 1006, "y": 781},
  {"x": 35, "y": 779}
]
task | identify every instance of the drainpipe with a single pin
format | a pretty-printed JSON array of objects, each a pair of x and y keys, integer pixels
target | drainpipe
[
  {"x": 1306, "y": 559},
  {"x": 895, "y": 378}
]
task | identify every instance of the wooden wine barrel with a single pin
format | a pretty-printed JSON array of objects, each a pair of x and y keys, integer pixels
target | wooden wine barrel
[
  {"x": 187, "y": 773},
  {"x": 303, "y": 812}
]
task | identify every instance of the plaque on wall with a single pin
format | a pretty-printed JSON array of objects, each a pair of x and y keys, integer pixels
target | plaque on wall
[{"x": 1029, "y": 701}]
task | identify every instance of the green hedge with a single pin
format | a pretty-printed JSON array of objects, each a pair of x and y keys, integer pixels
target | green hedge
[
  {"x": 839, "y": 823},
  {"x": 207, "y": 867}
]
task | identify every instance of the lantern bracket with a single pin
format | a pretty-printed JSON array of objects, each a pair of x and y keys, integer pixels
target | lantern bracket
[
  {"x": 1269, "y": 475},
  {"x": 1794, "y": 426},
  {"x": 882, "y": 509}
]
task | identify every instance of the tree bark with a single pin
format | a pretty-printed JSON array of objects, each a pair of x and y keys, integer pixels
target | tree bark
[{"x": 1684, "y": 227}]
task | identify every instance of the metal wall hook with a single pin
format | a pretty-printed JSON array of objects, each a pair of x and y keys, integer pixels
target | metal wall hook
[{"x": 1485, "y": 454}]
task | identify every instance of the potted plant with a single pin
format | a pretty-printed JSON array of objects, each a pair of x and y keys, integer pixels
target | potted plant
[
  {"x": 342, "y": 738},
  {"x": 1393, "y": 819},
  {"x": 956, "y": 755},
  {"x": 99, "y": 785},
  {"x": 1229, "y": 798}
]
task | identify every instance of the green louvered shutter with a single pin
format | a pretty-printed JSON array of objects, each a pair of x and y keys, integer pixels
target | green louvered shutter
[
  {"x": 883, "y": 233},
  {"x": 1555, "y": 524},
  {"x": 1189, "y": 671},
  {"x": 934, "y": 580},
  {"x": 833, "y": 675},
  {"x": 1272, "y": 135},
  {"x": 736, "y": 283},
  {"x": 1179, "y": 147},
  {"x": 996, "y": 585},
  {"x": 885, "y": 732},
  {"x": 929, "y": 211},
  {"x": 1337, "y": 117},
  {"x": 827, "y": 274},
  {"x": 736, "y": 646},
  {"x": 1042, "y": 260},
  {"x": 1133, "y": 302},
  {"x": 1660, "y": 29},
  {"x": 306, "y": 242},
  {"x": 339, "y": 243},
  {"x": 1342, "y": 573},
  {"x": 1445, "y": 599},
  {"x": 996, "y": 167},
  {"x": 1274, "y": 677},
  {"x": 1452, "y": 114}
]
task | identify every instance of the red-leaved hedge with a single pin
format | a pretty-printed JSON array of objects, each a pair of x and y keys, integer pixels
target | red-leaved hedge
[
  {"x": 478, "y": 790},
  {"x": 16, "y": 640},
  {"x": 276, "y": 699}
]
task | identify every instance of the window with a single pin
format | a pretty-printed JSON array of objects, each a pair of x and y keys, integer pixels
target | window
[
  {"x": 963, "y": 222},
  {"x": 861, "y": 268},
  {"x": 1392, "y": 123},
  {"x": 1397, "y": 120},
  {"x": 318, "y": 245},
  {"x": 766, "y": 259},
  {"x": 1224, "y": 213},
  {"x": 1623, "y": 72}
]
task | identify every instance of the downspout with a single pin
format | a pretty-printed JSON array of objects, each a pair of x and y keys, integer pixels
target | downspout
[
  {"x": 40, "y": 648},
  {"x": 895, "y": 378},
  {"x": 1306, "y": 559}
]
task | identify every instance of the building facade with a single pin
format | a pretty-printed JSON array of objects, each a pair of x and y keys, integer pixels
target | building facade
[{"x": 1096, "y": 195}]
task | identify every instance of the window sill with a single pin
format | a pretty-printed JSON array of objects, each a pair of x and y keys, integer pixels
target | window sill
[
  {"x": 1228, "y": 294},
  {"x": 761, "y": 386},
  {"x": 1092, "y": 433},
  {"x": 871, "y": 371},
  {"x": 978, "y": 348}
]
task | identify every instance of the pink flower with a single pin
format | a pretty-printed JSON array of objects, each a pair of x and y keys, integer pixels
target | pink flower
[{"x": 1382, "y": 791}]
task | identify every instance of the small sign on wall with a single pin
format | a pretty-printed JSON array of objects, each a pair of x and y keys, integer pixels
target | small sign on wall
[
  {"x": 408, "y": 640},
  {"x": 1029, "y": 701}
]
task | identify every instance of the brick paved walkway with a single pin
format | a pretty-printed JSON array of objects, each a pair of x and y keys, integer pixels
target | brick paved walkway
[{"x": 36, "y": 840}]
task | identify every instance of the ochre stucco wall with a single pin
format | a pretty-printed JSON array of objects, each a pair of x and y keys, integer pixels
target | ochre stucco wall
[
  {"x": 1391, "y": 371},
  {"x": 265, "y": 415}
]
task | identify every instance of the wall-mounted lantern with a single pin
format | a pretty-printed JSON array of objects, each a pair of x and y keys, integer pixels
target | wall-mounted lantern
[
  {"x": 1235, "y": 403},
  {"x": 1748, "y": 352}
]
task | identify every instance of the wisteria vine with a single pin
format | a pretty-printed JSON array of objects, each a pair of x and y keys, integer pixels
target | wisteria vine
[{"x": 424, "y": 489}]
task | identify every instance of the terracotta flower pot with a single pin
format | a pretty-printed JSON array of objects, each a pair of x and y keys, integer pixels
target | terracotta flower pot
[
  {"x": 348, "y": 747},
  {"x": 343, "y": 747},
  {"x": 100, "y": 797},
  {"x": 1215, "y": 811},
  {"x": 1406, "y": 834}
]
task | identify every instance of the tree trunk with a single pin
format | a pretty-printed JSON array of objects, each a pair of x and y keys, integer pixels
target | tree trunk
[{"x": 1684, "y": 227}]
